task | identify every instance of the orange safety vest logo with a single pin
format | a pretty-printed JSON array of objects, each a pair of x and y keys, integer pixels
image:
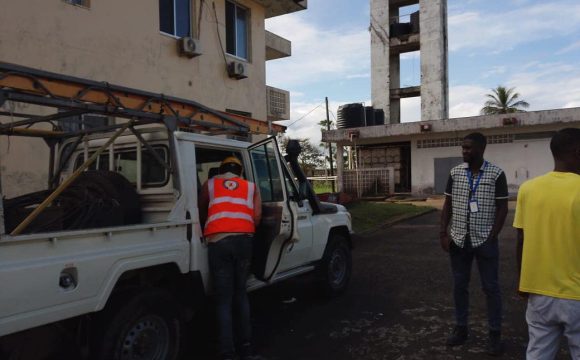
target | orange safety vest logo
[{"x": 231, "y": 206}]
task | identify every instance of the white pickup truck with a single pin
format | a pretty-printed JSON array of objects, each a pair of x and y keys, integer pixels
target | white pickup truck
[{"x": 118, "y": 261}]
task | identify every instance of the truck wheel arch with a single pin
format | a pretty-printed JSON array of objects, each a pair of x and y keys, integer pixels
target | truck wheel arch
[
  {"x": 188, "y": 289},
  {"x": 343, "y": 230}
]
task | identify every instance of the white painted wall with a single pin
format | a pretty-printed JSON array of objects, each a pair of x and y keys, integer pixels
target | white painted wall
[{"x": 528, "y": 159}]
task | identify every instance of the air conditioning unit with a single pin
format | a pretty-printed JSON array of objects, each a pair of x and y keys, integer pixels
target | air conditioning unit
[
  {"x": 189, "y": 47},
  {"x": 237, "y": 70}
]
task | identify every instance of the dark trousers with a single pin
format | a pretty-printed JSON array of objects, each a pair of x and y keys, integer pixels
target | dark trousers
[
  {"x": 487, "y": 257},
  {"x": 229, "y": 265}
]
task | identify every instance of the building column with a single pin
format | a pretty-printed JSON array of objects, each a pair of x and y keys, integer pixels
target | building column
[
  {"x": 434, "y": 78},
  {"x": 395, "y": 83},
  {"x": 379, "y": 28},
  {"x": 2, "y": 225},
  {"x": 339, "y": 166}
]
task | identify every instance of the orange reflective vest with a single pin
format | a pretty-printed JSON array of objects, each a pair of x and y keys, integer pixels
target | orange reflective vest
[{"x": 231, "y": 206}]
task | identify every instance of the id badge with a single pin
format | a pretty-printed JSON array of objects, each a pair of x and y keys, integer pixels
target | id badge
[{"x": 473, "y": 208}]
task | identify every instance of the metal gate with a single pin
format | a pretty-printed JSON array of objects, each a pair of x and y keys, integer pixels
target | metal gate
[{"x": 369, "y": 182}]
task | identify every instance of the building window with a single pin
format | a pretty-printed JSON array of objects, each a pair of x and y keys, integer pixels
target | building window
[
  {"x": 236, "y": 30},
  {"x": 83, "y": 3},
  {"x": 450, "y": 142},
  {"x": 175, "y": 17}
]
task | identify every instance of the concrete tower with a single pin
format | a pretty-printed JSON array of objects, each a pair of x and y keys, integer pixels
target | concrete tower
[{"x": 390, "y": 37}]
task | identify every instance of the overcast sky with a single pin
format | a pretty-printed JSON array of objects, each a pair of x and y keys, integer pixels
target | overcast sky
[{"x": 532, "y": 45}]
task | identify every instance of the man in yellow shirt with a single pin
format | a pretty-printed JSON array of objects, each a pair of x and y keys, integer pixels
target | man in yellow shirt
[{"x": 548, "y": 249}]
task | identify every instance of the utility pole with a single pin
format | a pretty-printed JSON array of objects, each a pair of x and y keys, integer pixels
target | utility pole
[{"x": 329, "y": 145}]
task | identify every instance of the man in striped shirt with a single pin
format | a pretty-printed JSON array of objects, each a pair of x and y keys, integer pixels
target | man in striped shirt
[{"x": 476, "y": 207}]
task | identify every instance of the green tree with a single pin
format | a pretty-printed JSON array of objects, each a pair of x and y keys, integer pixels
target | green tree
[{"x": 503, "y": 101}]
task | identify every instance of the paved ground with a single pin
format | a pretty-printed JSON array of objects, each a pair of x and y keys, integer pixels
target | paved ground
[{"x": 398, "y": 305}]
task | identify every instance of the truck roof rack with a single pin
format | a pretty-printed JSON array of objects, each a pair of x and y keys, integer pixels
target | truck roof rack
[{"x": 75, "y": 96}]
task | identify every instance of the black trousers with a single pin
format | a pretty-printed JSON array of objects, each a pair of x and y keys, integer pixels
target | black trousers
[
  {"x": 229, "y": 265},
  {"x": 487, "y": 258}
]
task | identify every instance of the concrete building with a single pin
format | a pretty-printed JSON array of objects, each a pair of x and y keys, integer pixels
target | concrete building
[
  {"x": 416, "y": 157},
  {"x": 210, "y": 52},
  {"x": 390, "y": 38}
]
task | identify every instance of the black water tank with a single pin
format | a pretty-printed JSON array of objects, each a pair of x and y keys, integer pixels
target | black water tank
[
  {"x": 379, "y": 117},
  {"x": 369, "y": 116},
  {"x": 415, "y": 28},
  {"x": 350, "y": 115},
  {"x": 400, "y": 29}
]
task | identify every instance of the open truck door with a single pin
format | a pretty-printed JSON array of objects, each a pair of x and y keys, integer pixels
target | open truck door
[{"x": 278, "y": 226}]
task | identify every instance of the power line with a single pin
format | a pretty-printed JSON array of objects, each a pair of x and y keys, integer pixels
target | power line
[
  {"x": 308, "y": 113},
  {"x": 331, "y": 113}
]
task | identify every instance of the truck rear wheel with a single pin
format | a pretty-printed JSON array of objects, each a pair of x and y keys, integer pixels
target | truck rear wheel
[
  {"x": 145, "y": 326},
  {"x": 336, "y": 265}
]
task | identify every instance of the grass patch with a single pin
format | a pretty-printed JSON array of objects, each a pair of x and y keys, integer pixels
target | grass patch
[
  {"x": 321, "y": 187},
  {"x": 368, "y": 215}
]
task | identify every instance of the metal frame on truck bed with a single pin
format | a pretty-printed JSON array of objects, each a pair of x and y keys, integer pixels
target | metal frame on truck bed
[{"x": 75, "y": 96}]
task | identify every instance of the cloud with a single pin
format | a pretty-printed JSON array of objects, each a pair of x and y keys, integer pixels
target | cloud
[
  {"x": 495, "y": 70},
  {"x": 466, "y": 100},
  {"x": 548, "y": 85},
  {"x": 570, "y": 48},
  {"x": 317, "y": 54},
  {"x": 501, "y": 31},
  {"x": 543, "y": 85},
  {"x": 359, "y": 76},
  {"x": 410, "y": 109}
]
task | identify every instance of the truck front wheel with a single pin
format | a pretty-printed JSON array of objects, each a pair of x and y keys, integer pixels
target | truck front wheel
[
  {"x": 336, "y": 265},
  {"x": 144, "y": 326}
]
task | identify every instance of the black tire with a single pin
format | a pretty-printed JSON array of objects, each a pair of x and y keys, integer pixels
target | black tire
[
  {"x": 127, "y": 197},
  {"x": 336, "y": 265},
  {"x": 143, "y": 326}
]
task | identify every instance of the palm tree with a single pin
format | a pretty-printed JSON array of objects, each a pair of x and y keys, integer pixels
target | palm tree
[{"x": 503, "y": 101}]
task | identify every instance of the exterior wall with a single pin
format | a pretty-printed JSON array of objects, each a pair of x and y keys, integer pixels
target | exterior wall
[
  {"x": 23, "y": 161},
  {"x": 120, "y": 42},
  {"x": 521, "y": 160}
]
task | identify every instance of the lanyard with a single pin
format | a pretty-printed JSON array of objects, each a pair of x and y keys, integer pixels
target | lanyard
[{"x": 473, "y": 187}]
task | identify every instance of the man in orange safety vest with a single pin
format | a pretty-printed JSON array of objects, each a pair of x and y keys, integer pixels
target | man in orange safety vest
[{"x": 230, "y": 209}]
